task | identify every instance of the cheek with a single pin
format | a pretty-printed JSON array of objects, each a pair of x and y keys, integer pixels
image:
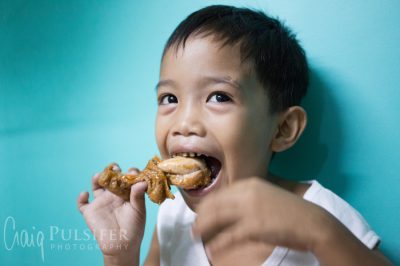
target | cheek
[
  {"x": 235, "y": 132},
  {"x": 245, "y": 147},
  {"x": 161, "y": 135}
]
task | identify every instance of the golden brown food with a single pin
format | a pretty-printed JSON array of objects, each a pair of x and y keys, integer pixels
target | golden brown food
[{"x": 187, "y": 173}]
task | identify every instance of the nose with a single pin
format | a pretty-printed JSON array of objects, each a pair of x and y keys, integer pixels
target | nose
[{"x": 188, "y": 122}]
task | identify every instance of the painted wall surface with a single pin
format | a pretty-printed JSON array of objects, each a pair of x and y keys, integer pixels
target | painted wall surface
[{"x": 77, "y": 92}]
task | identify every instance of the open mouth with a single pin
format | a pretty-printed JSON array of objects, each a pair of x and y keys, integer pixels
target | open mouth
[{"x": 212, "y": 163}]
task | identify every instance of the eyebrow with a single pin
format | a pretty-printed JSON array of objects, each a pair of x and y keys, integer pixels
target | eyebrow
[
  {"x": 206, "y": 80},
  {"x": 224, "y": 80},
  {"x": 165, "y": 82}
]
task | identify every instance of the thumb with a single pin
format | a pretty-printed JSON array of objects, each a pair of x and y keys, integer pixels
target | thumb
[{"x": 137, "y": 196}]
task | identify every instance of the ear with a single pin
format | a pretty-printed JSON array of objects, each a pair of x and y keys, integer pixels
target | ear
[{"x": 291, "y": 124}]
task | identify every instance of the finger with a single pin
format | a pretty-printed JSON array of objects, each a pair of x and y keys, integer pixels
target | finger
[
  {"x": 96, "y": 188},
  {"x": 223, "y": 209},
  {"x": 226, "y": 240},
  {"x": 214, "y": 215},
  {"x": 133, "y": 171},
  {"x": 137, "y": 197},
  {"x": 82, "y": 201}
]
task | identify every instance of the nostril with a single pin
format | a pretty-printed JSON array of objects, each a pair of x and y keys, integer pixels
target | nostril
[
  {"x": 186, "y": 129},
  {"x": 186, "y": 133}
]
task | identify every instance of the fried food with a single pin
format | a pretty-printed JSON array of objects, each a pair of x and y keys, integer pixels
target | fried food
[{"x": 187, "y": 173}]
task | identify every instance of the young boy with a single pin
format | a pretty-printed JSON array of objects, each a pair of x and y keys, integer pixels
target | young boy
[{"x": 231, "y": 82}]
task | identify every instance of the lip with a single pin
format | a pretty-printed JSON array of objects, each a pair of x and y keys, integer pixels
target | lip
[
  {"x": 201, "y": 192},
  {"x": 200, "y": 148}
]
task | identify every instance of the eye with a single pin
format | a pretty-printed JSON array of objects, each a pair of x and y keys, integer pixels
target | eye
[
  {"x": 167, "y": 99},
  {"x": 219, "y": 97}
]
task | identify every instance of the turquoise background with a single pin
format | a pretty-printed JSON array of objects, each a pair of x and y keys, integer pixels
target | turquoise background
[{"x": 77, "y": 92}]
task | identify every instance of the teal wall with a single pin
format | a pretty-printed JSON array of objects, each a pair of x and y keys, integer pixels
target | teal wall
[{"x": 76, "y": 92}]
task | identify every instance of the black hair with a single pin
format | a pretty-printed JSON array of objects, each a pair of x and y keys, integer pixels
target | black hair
[{"x": 278, "y": 59}]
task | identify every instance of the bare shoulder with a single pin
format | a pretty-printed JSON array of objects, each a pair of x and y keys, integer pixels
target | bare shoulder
[{"x": 153, "y": 258}]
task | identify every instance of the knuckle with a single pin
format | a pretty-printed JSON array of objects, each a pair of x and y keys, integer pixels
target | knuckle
[{"x": 254, "y": 182}]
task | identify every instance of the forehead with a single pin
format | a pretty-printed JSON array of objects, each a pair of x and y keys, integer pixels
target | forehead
[{"x": 205, "y": 56}]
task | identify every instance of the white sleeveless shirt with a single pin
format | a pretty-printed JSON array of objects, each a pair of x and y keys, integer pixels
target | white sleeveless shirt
[{"x": 178, "y": 248}]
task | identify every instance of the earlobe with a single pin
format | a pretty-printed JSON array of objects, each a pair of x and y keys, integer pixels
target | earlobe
[{"x": 291, "y": 125}]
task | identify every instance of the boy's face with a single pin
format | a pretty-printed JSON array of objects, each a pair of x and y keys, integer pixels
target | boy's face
[{"x": 211, "y": 103}]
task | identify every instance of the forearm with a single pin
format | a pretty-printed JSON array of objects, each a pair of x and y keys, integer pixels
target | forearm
[{"x": 338, "y": 246}]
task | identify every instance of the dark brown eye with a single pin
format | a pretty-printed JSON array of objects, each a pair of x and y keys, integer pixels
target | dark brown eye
[
  {"x": 219, "y": 98},
  {"x": 168, "y": 99}
]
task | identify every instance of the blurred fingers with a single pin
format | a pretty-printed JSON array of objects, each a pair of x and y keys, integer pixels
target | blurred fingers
[
  {"x": 235, "y": 235},
  {"x": 213, "y": 216}
]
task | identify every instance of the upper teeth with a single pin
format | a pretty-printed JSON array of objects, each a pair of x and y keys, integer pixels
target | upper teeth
[{"x": 187, "y": 154}]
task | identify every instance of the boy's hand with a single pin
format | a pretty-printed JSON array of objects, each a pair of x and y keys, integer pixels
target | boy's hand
[
  {"x": 254, "y": 210},
  {"x": 118, "y": 225}
]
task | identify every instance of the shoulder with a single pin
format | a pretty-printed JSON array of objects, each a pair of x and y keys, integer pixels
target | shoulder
[{"x": 343, "y": 211}]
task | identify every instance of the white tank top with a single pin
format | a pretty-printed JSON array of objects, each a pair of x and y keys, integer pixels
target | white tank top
[{"x": 178, "y": 248}]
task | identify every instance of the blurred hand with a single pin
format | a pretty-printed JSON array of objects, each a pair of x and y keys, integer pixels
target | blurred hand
[{"x": 256, "y": 212}]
